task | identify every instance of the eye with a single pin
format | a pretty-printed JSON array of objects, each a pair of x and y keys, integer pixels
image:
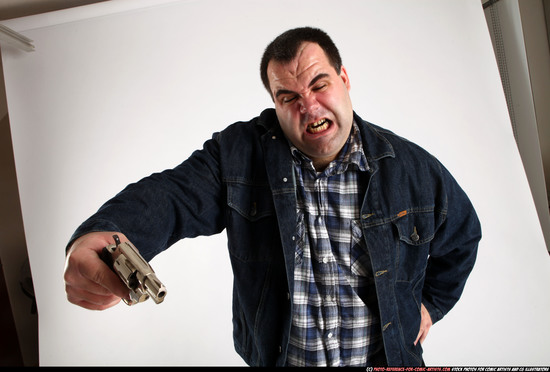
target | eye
[
  {"x": 320, "y": 87},
  {"x": 288, "y": 99}
]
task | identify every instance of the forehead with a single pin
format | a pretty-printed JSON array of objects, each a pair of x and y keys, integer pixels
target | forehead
[{"x": 308, "y": 63}]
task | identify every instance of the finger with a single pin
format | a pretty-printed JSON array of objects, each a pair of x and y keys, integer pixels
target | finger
[
  {"x": 74, "y": 280},
  {"x": 105, "y": 279},
  {"x": 419, "y": 337},
  {"x": 85, "y": 270},
  {"x": 75, "y": 294},
  {"x": 92, "y": 305},
  {"x": 425, "y": 324}
]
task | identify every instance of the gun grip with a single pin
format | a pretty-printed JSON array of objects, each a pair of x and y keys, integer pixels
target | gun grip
[{"x": 106, "y": 257}]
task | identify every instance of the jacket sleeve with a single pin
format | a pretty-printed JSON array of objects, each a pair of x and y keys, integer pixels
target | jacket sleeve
[
  {"x": 453, "y": 251},
  {"x": 161, "y": 209}
]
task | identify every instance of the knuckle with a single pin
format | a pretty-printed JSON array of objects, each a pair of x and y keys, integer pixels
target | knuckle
[{"x": 68, "y": 277}]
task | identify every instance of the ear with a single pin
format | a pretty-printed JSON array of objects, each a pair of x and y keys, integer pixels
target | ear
[{"x": 345, "y": 78}]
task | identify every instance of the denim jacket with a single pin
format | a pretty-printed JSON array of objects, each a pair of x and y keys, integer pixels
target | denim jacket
[{"x": 420, "y": 229}]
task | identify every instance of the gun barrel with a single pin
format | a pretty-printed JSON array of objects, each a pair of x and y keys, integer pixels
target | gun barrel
[
  {"x": 136, "y": 273},
  {"x": 154, "y": 288}
]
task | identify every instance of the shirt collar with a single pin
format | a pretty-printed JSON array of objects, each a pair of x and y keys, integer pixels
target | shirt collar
[{"x": 351, "y": 154}]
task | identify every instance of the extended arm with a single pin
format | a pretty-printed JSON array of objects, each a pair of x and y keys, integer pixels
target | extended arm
[{"x": 152, "y": 213}]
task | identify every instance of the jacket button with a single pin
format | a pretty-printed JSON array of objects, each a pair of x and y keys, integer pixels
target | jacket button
[
  {"x": 386, "y": 326},
  {"x": 414, "y": 235},
  {"x": 253, "y": 209},
  {"x": 285, "y": 179}
]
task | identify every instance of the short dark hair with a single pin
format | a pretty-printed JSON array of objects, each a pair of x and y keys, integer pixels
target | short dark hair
[{"x": 285, "y": 47}]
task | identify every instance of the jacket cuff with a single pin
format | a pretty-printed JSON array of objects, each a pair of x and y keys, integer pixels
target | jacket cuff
[{"x": 90, "y": 226}]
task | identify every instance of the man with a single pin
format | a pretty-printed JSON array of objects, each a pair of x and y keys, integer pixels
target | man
[{"x": 346, "y": 241}]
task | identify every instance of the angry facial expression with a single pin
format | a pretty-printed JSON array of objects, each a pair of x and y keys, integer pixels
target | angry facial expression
[{"x": 312, "y": 103}]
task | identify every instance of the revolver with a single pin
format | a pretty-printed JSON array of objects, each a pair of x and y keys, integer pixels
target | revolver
[{"x": 125, "y": 260}]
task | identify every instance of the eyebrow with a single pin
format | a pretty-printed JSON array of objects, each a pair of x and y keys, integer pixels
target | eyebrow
[{"x": 313, "y": 81}]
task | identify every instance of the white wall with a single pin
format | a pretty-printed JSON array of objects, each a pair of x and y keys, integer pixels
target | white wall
[{"x": 121, "y": 89}]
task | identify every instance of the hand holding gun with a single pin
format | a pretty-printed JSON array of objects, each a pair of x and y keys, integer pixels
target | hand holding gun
[{"x": 125, "y": 260}]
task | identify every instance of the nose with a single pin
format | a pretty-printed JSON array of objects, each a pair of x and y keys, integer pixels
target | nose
[{"x": 308, "y": 104}]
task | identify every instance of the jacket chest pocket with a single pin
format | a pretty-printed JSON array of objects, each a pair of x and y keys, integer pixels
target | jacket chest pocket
[
  {"x": 251, "y": 222},
  {"x": 413, "y": 234}
]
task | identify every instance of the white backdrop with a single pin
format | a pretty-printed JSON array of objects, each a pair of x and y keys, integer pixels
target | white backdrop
[{"x": 118, "y": 90}]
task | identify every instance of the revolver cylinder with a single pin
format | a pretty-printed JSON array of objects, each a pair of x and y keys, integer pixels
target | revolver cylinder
[{"x": 125, "y": 260}]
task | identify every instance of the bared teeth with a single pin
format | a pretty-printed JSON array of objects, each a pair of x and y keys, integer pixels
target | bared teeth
[{"x": 318, "y": 126}]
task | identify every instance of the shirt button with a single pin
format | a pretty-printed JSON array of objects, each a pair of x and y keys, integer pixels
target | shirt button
[
  {"x": 274, "y": 137},
  {"x": 329, "y": 335},
  {"x": 325, "y": 260},
  {"x": 285, "y": 179}
]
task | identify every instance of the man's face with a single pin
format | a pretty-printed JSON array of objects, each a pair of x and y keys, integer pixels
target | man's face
[{"x": 312, "y": 103}]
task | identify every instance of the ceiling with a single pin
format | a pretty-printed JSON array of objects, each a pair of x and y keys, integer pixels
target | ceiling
[{"x": 20, "y": 8}]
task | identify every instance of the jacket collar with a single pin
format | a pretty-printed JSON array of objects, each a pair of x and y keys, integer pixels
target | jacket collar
[{"x": 376, "y": 146}]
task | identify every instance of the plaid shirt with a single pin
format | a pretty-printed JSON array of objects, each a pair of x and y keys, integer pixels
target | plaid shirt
[{"x": 335, "y": 320}]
